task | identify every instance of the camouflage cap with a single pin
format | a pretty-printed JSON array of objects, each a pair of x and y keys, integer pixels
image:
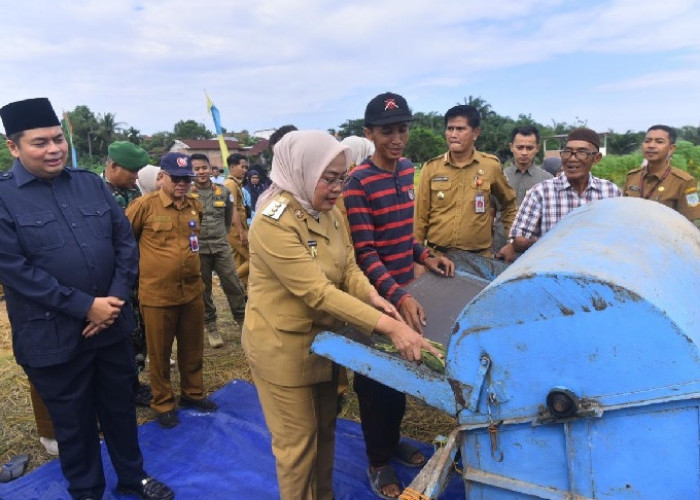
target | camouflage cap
[{"x": 128, "y": 155}]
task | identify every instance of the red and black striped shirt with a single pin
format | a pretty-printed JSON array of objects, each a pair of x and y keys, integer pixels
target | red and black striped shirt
[{"x": 380, "y": 213}]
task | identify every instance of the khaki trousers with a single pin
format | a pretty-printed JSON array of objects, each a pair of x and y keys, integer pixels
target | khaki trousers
[
  {"x": 163, "y": 325},
  {"x": 241, "y": 255},
  {"x": 44, "y": 425},
  {"x": 302, "y": 423}
]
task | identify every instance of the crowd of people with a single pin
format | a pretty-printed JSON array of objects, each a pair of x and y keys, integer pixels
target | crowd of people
[{"x": 101, "y": 273}]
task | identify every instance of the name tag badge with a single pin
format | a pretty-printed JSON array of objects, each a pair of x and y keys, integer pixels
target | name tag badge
[
  {"x": 219, "y": 204},
  {"x": 479, "y": 203}
]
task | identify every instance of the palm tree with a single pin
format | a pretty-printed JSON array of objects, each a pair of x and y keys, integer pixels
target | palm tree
[
  {"x": 107, "y": 128},
  {"x": 484, "y": 108}
]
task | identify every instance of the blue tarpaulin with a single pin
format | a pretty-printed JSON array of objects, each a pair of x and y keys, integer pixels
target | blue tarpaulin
[{"x": 222, "y": 455}]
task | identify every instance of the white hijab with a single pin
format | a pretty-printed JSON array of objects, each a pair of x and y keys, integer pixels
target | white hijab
[
  {"x": 361, "y": 148},
  {"x": 300, "y": 158}
]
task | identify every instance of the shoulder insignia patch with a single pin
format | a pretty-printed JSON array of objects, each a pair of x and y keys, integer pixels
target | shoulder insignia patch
[
  {"x": 490, "y": 156},
  {"x": 275, "y": 208},
  {"x": 691, "y": 197}
]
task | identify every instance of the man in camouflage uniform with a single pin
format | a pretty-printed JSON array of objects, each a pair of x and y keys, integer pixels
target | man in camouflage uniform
[
  {"x": 215, "y": 252},
  {"x": 124, "y": 161}
]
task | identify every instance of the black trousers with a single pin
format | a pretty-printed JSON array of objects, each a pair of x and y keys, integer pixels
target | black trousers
[
  {"x": 381, "y": 411},
  {"x": 96, "y": 385}
]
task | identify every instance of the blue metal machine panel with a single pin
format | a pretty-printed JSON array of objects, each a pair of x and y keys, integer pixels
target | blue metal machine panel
[{"x": 591, "y": 387}]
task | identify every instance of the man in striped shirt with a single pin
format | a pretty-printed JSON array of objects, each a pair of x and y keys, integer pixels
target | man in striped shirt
[
  {"x": 550, "y": 200},
  {"x": 379, "y": 198}
]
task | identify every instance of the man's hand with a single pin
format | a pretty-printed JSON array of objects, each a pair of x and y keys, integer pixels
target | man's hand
[
  {"x": 440, "y": 265},
  {"x": 521, "y": 243},
  {"x": 507, "y": 253},
  {"x": 103, "y": 313},
  {"x": 378, "y": 302},
  {"x": 413, "y": 313}
]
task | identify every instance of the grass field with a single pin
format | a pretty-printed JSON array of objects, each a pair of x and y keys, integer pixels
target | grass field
[{"x": 18, "y": 431}]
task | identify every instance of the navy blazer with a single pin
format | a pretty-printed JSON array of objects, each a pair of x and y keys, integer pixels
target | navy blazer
[{"x": 63, "y": 242}]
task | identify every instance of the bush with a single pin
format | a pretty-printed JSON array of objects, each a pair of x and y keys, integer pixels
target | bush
[{"x": 615, "y": 168}]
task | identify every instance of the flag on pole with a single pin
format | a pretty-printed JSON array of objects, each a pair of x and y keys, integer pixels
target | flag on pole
[
  {"x": 214, "y": 112},
  {"x": 67, "y": 125}
]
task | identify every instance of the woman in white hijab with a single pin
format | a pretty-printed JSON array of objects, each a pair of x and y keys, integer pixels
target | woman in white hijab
[{"x": 303, "y": 280}]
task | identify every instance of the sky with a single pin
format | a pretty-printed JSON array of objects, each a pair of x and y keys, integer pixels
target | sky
[{"x": 615, "y": 64}]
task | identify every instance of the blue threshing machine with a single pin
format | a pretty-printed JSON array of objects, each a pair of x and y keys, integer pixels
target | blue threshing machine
[{"x": 574, "y": 373}]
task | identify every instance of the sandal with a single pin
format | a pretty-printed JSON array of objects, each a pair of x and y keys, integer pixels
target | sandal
[
  {"x": 381, "y": 477},
  {"x": 404, "y": 453},
  {"x": 14, "y": 468}
]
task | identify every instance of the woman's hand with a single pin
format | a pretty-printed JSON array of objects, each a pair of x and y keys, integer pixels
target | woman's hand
[
  {"x": 378, "y": 302},
  {"x": 406, "y": 340}
]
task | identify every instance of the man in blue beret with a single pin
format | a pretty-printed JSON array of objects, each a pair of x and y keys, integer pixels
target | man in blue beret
[{"x": 68, "y": 261}]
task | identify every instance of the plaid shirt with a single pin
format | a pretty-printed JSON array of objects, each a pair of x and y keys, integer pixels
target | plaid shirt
[{"x": 550, "y": 200}]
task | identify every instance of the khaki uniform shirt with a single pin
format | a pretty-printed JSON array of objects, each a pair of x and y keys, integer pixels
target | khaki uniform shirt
[
  {"x": 236, "y": 189},
  {"x": 169, "y": 272},
  {"x": 217, "y": 205},
  {"x": 446, "y": 212},
  {"x": 300, "y": 269},
  {"x": 679, "y": 190}
]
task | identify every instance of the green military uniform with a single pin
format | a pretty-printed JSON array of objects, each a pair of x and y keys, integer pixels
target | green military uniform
[
  {"x": 453, "y": 207},
  {"x": 215, "y": 252},
  {"x": 121, "y": 195},
  {"x": 241, "y": 253},
  {"x": 299, "y": 271},
  {"x": 170, "y": 293},
  {"x": 674, "y": 188}
]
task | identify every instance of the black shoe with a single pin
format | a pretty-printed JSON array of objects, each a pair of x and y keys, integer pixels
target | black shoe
[
  {"x": 142, "y": 395},
  {"x": 204, "y": 404},
  {"x": 149, "y": 489},
  {"x": 168, "y": 420}
]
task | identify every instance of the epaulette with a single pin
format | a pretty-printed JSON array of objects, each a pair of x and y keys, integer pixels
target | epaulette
[
  {"x": 192, "y": 196},
  {"x": 276, "y": 208},
  {"x": 634, "y": 171},
  {"x": 682, "y": 174},
  {"x": 438, "y": 157},
  {"x": 5, "y": 176},
  {"x": 490, "y": 156}
]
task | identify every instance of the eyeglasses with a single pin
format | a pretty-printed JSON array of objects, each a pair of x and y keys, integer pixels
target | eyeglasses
[
  {"x": 580, "y": 154},
  {"x": 338, "y": 181},
  {"x": 177, "y": 179}
]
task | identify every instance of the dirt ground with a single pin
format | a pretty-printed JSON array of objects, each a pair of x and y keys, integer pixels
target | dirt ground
[{"x": 18, "y": 431}]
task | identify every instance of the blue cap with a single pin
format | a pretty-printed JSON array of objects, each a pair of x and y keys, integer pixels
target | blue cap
[{"x": 177, "y": 164}]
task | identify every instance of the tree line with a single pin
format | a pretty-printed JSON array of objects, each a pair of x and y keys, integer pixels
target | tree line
[{"x": 92, "y": 134}]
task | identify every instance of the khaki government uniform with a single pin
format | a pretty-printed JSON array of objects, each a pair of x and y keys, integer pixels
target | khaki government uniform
[
  {"x": 445, "y": 207},
  {"x": 299, "y": 271},
  {"x": 240, "y": 252},
  {"x": 215, "y": 253},
  {"x": 170, "y": 293},
  {"x": 679, "y": 190}
]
